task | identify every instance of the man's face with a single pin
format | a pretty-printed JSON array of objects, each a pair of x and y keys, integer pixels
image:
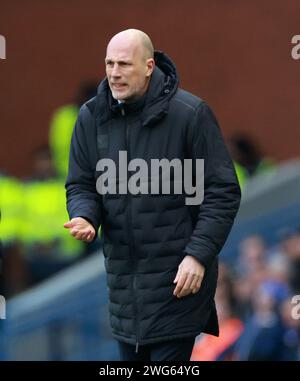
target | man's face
[{"x": 127, "y": 71}]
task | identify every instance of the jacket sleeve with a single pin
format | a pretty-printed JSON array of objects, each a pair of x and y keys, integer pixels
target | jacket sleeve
[
  {"x": 215, "y": 216},
  {"x": 83, "y": 200}
]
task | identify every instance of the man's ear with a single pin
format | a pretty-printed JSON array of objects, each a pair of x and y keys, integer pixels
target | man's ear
[{"x": 150, "y": 66}]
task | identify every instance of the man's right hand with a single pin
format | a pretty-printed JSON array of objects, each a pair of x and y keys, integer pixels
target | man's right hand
[{"x": 80, "y": 229}]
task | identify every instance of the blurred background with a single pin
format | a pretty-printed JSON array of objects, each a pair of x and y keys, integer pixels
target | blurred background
[{"x": 236, "y": 55}]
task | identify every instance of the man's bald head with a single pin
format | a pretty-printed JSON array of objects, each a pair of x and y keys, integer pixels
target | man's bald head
[
  {"x": 129, "y": 64},
  {"x": 135, "y": 38}
]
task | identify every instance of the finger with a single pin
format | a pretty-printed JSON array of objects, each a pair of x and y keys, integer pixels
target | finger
[
  {"x": 180, "y": 283},
  {"x": 194, "y": 285},
  {"x": 90, "y": 237},
  {"x": 85, "y": 234},
  {"x": 186, "y": 288},
  {"x": 78, "y": 229},
  {"x": 78, "y": 235},
  {"x": 68, "y": 224},
  {"x": 177, "y": 275},
  {"x": 198, "y": 285}
]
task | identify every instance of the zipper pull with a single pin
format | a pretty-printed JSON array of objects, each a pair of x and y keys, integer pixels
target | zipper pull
[{"x": 137, "y": 347}]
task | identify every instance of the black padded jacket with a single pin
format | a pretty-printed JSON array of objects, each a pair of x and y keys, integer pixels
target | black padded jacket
[{"x": 147, "y": 236}]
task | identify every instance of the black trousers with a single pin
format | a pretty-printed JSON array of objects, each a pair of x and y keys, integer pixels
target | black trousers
[{"x": 175, "y": 350}]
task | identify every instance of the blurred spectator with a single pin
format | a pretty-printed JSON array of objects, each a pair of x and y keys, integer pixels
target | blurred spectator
[
  {"x": 247, "y": 158},
  {"x": 48, "y": 248},
  {"x": 61, "y": 127},
  {"x": 42, "y": 165},
  {"x": 262, "y": 339},
  {"x": 211, "y": 348},
  {"x": 252, "y": 258},
  {"x": 278, "y": 266},
  {"x": 290, "y": 245},
  {"x": 11, "y": 208},
  {"x": 251, "y": 270},
  {"x": 13, "y": 279},
  {"x": 263, "y": 285}
]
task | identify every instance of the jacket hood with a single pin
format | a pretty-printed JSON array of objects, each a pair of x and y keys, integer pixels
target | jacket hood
[{"x": 163, "y": 85}]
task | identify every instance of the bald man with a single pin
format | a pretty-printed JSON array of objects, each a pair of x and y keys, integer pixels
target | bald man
[{"x": 161, "y": 255}]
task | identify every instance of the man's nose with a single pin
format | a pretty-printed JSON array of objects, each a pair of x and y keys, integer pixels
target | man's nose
[{"x": 115, "y": 71}]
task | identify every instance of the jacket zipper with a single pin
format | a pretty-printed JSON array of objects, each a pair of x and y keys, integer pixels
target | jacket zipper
[{"x": 131, "y": 244}]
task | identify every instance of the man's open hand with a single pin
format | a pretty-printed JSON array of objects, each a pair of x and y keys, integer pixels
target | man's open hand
[
  {"x": 189, "y": 277},
  {"x": 80, "y": 229}
]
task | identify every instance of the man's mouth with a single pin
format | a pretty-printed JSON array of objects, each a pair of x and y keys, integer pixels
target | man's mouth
[{"x": 118, "y": 85}]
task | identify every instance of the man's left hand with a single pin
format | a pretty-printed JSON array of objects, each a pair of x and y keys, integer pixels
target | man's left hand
[{"x": 189, "y": 277}]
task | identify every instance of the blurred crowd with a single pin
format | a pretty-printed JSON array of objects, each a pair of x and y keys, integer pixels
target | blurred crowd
[
  {"x": 258, "y": 304},
  {"x": 34, "y": 244}
]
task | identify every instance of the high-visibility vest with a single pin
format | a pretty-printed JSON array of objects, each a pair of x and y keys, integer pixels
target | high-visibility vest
[
  {"x": 60, "y": 133},
  {"x": 44, "y": 215},
  {"x": 241, "y": 173}
]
